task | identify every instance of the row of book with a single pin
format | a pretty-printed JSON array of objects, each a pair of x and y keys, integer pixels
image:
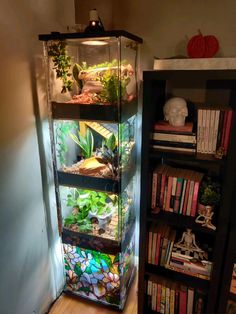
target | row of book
[
  {"x": 213, "y": 130},
  {"x": 171, "y": 298},
  {"x": 175, "y": 190},
  {"x": 162, "y": 251}
]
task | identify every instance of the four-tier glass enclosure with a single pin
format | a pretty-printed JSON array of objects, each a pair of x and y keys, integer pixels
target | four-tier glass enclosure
[{"x": 93, "y": 97}]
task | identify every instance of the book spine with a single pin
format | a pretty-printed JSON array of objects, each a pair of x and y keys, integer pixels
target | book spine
[
  {"x": 156, "y": 261},
  {"x": 159, "y": 298},
  {"x": 163, "y": 180},
  {"x": 179, "y": 138},
  {"x": 211, "y": 130},
  {"x": 178, "y": 194},
  {"x": 220, "y": 129},
  {"x": 183, "y": 301},
  {"x": 227, "y": 131},
  {"x": 199, "y": 131},
  {"x": 182, "y": 196},
  {"x": 194, "y": 200},
  {"x": 207, "y": 131},
  {"x": 167, "y": 310},
  {"x": 203, "y": 131},
  {"x": 154, "y": 190},
  {"x": 173, "y": 190},
  {"x": 169, "y": 189},
  {"x": 186, "y": 198},
  {"x": 215, "y": 131},
  {"x": 149, "y": 246},
  {"x": 177, "y": 149},
  {"x": 173, "y": 144},
  {"x": 190, "y": 198},
  {"x": 154, "y": 245},
  {"x": 190, "y": 299},
  {"x": 172, "y": 301},
  {"x": 224, "y": 128},
  {"x": 163, "y": 299}
]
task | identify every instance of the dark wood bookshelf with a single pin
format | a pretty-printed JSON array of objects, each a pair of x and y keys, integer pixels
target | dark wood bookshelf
[
  {"x": 179, "y": 220},
  {"x": 219, "y": 90}
]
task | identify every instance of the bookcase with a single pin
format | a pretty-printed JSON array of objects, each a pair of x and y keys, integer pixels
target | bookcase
[{"x": 203, "y": 89}]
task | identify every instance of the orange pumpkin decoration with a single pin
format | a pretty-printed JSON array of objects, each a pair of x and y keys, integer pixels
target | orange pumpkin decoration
[{"x": 200, "y": 46}]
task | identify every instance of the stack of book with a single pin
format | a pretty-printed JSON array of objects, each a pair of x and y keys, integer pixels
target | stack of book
[
  {"x": 175, "y": 190},
  {"x": 213, "y": 130},
  {"x": 173, "y": 138},
  {"x": 169, "y": 297},
  {"x": 189, "y": 265},
  {"x": 161, "y": 239}
]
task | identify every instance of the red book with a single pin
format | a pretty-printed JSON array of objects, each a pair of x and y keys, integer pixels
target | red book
[
  {"x": 163, "y": 182},
  {"x": 199, "y": 177},
  {"x": 224, "y": 127},
  {"x": 165, "y": 126},
  {"x": 183, "y": 301},
  {"x": 178, "y": 194},
  {"x": 227, "y": 127}
]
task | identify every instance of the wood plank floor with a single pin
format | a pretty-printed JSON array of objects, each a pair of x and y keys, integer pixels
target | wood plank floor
[{"x": 71, "y": 305}]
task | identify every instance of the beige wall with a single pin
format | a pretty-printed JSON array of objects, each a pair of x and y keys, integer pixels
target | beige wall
[
  {"x": 31, "y": 275},
  {"x": 166, "y": 26}
]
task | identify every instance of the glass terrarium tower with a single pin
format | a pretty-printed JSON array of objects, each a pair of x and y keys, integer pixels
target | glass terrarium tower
[{"x": 93, "y": 97}]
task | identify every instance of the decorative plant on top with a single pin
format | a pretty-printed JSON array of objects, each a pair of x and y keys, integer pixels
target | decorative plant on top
[
  {"x": 62, "y": 64},
  {"x": 86, "y": 143}
]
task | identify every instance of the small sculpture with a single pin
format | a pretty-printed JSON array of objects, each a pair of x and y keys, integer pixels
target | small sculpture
[
  {"x": 175, "y": 111},
  {"x": 188, "y": 243},
  {"x": 204, "y": 217}
]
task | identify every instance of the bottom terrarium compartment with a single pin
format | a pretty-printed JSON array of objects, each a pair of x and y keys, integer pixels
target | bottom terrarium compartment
[{"x": 97, "y": 276}]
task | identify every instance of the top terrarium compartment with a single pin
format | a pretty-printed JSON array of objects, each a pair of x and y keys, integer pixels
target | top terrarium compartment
[{"x": 92, "y": 77}]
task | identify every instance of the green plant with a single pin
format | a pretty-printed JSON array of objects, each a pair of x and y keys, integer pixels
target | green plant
[
  {"x": 62, "y": 64},
  {"x": 109, "y": 154},
  {"x": 86, "y": 143},
  {"x": 85, "y": 201},
  {"x": 63, "y": 128},
  {"x": 209, "y": 192},
  {"x": 113, "y": 87}
]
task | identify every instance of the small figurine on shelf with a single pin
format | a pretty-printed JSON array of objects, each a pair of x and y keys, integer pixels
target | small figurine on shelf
[
  {"x": 205, "y": 216},
  {"x": 175, "y": 111},
  {"x": 188, "y": 246},
  {"x": 209, "y": 198},
  {"x": 188, "y": 242}
]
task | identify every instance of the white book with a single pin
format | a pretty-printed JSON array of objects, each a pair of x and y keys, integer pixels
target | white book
[
  {"x": 203, "y": 150},
  {"x": 149, "y": 288},
  {"x": 199, "y": 131},
  {"x": 207, "y": 131},
  {"x": 211, "y": 131},
  {"x": 190, "y": 299},
  {"x": 215, "y": 130},
  {"x": 179, "y": 138}
]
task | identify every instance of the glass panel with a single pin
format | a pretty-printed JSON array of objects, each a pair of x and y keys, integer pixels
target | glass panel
[{"x": 92, "y": 274}]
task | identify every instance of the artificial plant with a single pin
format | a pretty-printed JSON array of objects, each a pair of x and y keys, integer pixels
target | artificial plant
[
  {"x": 86, "y": 143},
  {"x": 62, "y": 64}
]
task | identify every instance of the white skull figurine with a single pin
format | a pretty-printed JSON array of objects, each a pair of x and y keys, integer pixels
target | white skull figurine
[{"x": 175, "y": 111}]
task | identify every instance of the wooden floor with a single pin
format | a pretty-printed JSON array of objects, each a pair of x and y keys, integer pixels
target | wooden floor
[{"x": 71, "y": 305}]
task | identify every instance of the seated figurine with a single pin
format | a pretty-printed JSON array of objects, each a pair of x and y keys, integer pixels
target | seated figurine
[{"x": 205, "y": 216}]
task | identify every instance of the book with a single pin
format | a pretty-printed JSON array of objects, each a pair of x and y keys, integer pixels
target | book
[
  {"x": 167, "y": 309},
  {"x": 172, "y": 301},
  {"x": 199, "y": 131},
  {"x": 190, "y": 299},
  {"x": 178, "y": 194},
  {"x": 199, "y": 302},
  {"x": 183, "y": 300},
  {"x": 174, "y": 137},
  {"x": 165, "y": 126},
  {"x": 228, "y": 125},
  {"x": 158, "y": 308},
  {"x": 164, "y": 245},
  {"x": 163, "y": 299},
  {"x": 173, "y": 148},
  {"x": 173, "y": 144},
  {"x": 172, "y": 241}
]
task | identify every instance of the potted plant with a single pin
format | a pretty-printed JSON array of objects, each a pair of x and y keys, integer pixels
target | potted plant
[{"x": 209, "y": 193}]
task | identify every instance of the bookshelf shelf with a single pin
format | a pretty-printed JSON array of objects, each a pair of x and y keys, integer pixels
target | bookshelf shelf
[
  {"x": 177, "y": 220},
  {"x": 159, "y": 233},
  {"x": 176, "y": 276}
]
